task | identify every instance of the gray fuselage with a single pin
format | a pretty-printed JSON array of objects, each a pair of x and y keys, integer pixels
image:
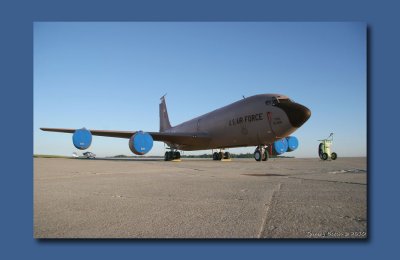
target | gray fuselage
[{"x": 252, "y": 121}]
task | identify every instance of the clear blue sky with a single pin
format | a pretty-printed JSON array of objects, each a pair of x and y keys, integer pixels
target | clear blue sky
[{"x": 111, "y": 76}]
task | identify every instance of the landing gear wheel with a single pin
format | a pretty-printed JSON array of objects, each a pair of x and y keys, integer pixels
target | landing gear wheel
[
  {"x": 167, "y": 156},
  {"x": 265, "y": 155},
  {"x": 257, "y": 155},
  {"x": 334, "y": 156},
  {"x": 220, "y": 156},
  {"x": 324, "y": 156},
  {"x": 170, "y": 155},
  {"x": 227, "y": 155},
  {"x": 177, "y": 155},
  {"x": 215, "y": 156}
]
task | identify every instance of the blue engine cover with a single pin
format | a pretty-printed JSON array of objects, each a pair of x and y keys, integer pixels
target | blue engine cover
[
  {"x": 141, "y": 143},
  {"x": 82, "y": 138},
  {"x": 280, "y": 146},
  {"x": 293, "y": 143}
]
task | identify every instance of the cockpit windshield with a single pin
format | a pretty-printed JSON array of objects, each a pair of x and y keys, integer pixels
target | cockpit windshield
[
  {"x": 284, "y": 100},
  {"x": 275, "y": 101}
]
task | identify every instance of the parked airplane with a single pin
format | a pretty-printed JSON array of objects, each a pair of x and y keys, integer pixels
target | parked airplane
[{"x": 264, "y": 121}]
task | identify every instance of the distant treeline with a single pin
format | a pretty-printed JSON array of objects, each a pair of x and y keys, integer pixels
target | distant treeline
[
  {"x": 241, "y": 155},
  {"x": 49, "y": 156}
]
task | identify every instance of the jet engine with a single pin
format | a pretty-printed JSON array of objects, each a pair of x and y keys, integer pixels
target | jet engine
[
  {"x": 82, "y": 138},
  {"x": 280, "y": 147},
  {"x": 288, "y": 144},
  {"x": 141, "y": 143},
  {"x": 293, "y": 143}
]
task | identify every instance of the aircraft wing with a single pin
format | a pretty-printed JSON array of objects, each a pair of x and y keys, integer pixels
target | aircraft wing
[{"x": 176, "y": 138}]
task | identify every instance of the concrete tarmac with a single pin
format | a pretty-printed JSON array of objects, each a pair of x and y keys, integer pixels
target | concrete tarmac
[{"x": 200, "y": 198}]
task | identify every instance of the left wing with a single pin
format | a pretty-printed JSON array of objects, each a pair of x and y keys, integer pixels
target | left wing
[{"x": 176, "y": 138}]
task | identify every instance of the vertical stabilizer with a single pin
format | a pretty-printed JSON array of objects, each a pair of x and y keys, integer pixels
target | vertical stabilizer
[{"x": 164, "y": 120}]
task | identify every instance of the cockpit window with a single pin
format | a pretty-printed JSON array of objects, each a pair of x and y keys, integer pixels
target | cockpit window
[
  {"x": 284, "y": 100},
  {"x": 275, "y": 101}
]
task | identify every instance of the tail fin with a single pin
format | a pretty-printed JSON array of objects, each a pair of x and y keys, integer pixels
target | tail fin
[{"x": 164, "y": 120}]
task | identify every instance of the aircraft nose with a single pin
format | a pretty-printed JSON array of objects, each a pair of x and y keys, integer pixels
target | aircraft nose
[{"x": 297, "y": 114}]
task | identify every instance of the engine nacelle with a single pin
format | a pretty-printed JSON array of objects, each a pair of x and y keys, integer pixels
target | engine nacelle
[
  {"x": 293, "y": 143},
  {"x": 141, "y": 143},
  {"x": 280, "y": 147},
  {"x": 82, "y": 138}
]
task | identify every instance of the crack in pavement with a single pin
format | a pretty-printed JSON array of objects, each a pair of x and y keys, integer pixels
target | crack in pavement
[{"x": 264, "y": 220}]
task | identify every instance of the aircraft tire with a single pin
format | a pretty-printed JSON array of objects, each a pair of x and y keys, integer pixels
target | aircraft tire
[
  {"x": 334, "y": 156},
  {"x": 166, "y": 156},
  {"x": 257, "y": 155},
  {"x": 177, "y": 155},
  {"x": 265, "y": 155},
  {"x": 227, "y": 155},
  {"x": 215, "y": 156},
  {"x": 324, "y": 156}
]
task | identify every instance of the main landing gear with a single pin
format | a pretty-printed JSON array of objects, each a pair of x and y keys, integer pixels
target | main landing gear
[
  {"x": 172, "y": 155},
  {"x": 221, "y": 156},
  {"x": 261, "y": 153}
]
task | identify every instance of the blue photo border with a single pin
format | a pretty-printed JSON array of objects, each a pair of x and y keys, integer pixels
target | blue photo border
[{"x": 16, "y": 59}]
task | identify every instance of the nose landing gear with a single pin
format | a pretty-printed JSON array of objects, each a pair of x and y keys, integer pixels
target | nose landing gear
[{"x": 261, "y": 153}]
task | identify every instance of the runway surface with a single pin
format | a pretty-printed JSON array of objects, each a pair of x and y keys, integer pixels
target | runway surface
[{"x": 200, "y": 198}]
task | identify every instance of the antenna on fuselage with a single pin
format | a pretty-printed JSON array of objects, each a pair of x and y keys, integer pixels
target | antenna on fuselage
[{"x": 243, "y": 96}]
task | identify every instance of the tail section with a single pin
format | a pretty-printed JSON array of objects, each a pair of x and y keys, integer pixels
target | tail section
[{"x": 164, "y": 120}]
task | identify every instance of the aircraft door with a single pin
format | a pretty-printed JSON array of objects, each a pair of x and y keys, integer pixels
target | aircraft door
[{"x": 270, "y": 134}]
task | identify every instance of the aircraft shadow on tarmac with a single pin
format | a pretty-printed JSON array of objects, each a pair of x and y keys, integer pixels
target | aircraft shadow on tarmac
[{"x": 263, "y": 174}]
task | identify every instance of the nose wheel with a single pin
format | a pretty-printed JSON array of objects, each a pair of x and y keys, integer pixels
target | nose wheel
[{"x": 261, "y": 153}]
